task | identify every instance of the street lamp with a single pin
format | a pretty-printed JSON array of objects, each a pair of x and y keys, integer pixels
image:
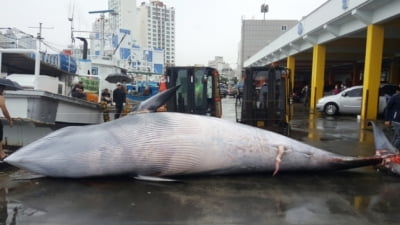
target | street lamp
[{"x": 264, "y": 9}]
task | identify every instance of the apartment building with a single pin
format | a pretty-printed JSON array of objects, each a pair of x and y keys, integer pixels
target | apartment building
[
  {"x": 156, "y": 23},
  {"x": 124, "y": 14}
]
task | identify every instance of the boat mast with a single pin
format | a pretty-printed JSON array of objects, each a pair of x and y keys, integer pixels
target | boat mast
[{"x": 39, "y": 34}]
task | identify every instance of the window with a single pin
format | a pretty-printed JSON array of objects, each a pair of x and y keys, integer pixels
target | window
[
  {"x": 283, "y": 28},
  {"x": 355, "y": 93}
]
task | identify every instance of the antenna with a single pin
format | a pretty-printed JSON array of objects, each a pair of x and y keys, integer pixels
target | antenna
[{"x": 39, "y": 35}]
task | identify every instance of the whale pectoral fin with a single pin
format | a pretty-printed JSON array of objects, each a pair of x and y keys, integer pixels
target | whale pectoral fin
[
  {"x": 278, "y": 159},
  {"x": 156, "y": 101},
  {"x": 25, "y": 175},
  {"x": 154, "y": 179}
]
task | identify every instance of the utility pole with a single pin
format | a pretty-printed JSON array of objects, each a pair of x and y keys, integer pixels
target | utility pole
[{"x": 39, "y": 35}]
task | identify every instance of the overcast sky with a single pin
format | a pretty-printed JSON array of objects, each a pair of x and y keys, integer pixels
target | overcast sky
[{"x": 204, "y": 28}]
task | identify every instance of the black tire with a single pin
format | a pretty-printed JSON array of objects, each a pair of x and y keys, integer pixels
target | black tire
[
  {"x": 331, "y": 109},
  {"x": 286, "y": 129}
]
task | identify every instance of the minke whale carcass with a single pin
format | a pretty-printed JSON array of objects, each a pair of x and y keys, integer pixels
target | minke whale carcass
[{"x": 166, "y": 144}]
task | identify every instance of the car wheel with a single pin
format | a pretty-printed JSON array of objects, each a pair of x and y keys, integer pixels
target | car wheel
[{"x": 331, "y": 109}]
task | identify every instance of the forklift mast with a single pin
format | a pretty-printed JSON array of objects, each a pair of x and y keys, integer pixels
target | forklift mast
[
  {"x": 265, "y": 98},
  {"x": 199, "y": 90}
]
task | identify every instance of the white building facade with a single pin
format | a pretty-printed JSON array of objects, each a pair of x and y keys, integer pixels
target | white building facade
[
  {"x": 156, "y": 26},
  {"x": 114, "y": 37},
  {"x": 223, "y": 68},
  {"x": 124, "y": 14}
]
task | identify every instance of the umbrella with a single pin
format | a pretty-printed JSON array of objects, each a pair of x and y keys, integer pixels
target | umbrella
[
  {"x": 118, "y": 77},
  {"x": 10, "y": 85}
]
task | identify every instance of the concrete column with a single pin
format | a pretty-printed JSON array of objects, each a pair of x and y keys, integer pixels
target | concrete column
[
  {"x": 317, "y": 75},
  {"x": 372, "y": 73}
]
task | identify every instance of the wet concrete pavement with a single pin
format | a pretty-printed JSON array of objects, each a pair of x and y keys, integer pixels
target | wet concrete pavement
[{"x": 361, "y": 196}]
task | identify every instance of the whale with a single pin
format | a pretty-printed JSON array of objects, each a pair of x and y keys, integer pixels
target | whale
[{"x": 156, "y": 146}]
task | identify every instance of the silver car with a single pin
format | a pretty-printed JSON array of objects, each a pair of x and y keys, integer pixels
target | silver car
[{"x": 349, "y": 100}]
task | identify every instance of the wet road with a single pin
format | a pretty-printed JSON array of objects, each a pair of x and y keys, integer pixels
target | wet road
[{"x": 361, "y": 196}]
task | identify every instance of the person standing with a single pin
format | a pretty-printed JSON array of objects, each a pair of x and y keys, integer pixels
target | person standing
[
  {"x": 6, "y": 115},
  {"x": 263, "y": 96},
  {"x": 162, "y": 84},
  {"x": 105, "y": 101},
  {"x": 392, "y": 112},
  {"x": 306, "y": 95},
  {"x": 336, "y": 90},
  {"x": 119, "y": 97},
  {"x": 392, "y": 116}
]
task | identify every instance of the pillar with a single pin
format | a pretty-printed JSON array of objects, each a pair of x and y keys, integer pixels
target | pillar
[
  {"x": 372, "y": 73},
  {"x": 290, "y": 64},
  {"x": 317, "y": 75}
]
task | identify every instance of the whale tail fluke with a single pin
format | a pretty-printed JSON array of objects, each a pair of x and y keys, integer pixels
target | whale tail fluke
[{"x": 384, "y": 148}]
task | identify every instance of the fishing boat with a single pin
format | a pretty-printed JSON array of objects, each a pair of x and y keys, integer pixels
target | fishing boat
[
  {"x": 141, "y": 90},
  {"x": 45, "y": 103}
]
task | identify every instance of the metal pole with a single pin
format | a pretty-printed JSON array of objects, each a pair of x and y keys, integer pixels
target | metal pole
[{"x": 1, "y": 55}]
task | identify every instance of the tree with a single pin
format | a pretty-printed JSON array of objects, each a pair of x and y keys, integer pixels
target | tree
[
  {"x": 234, "y": 80},
  {"x": 223, "y": 80}
]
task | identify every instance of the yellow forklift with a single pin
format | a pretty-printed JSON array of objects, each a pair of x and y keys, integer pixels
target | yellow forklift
[{"x": 264, "y": 99}]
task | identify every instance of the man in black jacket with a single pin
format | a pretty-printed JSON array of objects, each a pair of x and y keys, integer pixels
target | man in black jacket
[
  {"x": 119, "y": 97},
  {"x": 392, "y": 112},
  {"x": 392, "y": 116}
]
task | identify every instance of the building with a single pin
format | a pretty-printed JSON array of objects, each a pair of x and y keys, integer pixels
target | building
[
  {"x": 156, "y": 25},
  {"x": 14, "y": 38},
  {"x": 341, "y": 42},
  {"x": 103, "y": 32},
  {"x": 125, "y": 14},
  {"x": 256, "y": 34},
  {"x": 223, "y": 68},
  {"x": 113, "y": 40}
]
